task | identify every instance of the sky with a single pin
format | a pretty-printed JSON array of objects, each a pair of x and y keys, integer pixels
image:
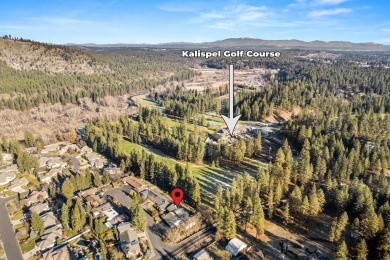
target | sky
[{"x": 122, "y": 21}]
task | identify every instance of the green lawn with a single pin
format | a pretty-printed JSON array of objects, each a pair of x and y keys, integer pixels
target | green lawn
[
  {"x": 18, "y": 215},
  {"x": 8, "y": 193},
  {"x": 28, "y": 245}
]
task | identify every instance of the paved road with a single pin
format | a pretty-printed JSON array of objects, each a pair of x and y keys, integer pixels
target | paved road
[
  {"x": 75, "y": 162},
  {"x": 11, "y": 245}
]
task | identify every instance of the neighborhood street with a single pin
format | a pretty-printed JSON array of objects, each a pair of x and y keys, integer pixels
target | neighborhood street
[{"x": 11, "y": 245}]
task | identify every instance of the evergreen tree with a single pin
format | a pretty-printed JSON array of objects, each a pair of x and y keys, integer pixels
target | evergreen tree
[
  {"x": 384, "y": 242},
  {"x": 337, "y": 227},
  {"x": 286, "y": 214},
  {"x": 361, "y": 250},
  {"x": 230, "y": 226},
  {"x": 342, "y": 252},
  {"x": 258, "y": 216},
  {"x": 103, "y": 250},
  {"x": 65, "y": 215},
  {"x": 247, "y": 211},
  {"x": 37, "y": 223},
  {"x": 106, "y": 178},
  {"x": 97, "y": 180},
  {"x": 305, "y": 169},
  {"x": 68, "y": 189}
]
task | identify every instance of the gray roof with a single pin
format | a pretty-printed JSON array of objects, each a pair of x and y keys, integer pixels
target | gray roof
[{"x": 235, "y": 246}]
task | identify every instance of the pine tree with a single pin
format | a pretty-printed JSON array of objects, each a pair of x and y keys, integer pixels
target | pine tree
[
  {"x": 196, "y": 200},
  {"x": 138, "y": 218},
  {"x": 278, "y": 193},
  {"x": 248, "y": 211},
  {"x": 337, "y": 227},
  {"x": 286, "y": 214},
  {"x": 96, "y": 179},
  {"x": 305, "y": 206},
  {"x": 314, "y": 205},
  {"x": 258, "y": 147},
  {"x": 230, "y": 226},
  {"x": 270, "y": 203},
  {"x": 65, "y": 215},
  {"x": 305, "y": 169},
  {"x": 258, "y": 216},
  {"x": 37, "y": 223},
  {"x": 75, "y": 218},
  {"x": 342, "y": 252},
  {"x": 103, "y": 250},
  {"x": 106, "y": 178},
  {"x": 68, "y": 189},
  {"x": 361, "y": 250},
  {"x": 384, "y": 242}
]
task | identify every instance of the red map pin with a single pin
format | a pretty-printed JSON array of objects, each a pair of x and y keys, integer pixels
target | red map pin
[{"x": 177, "y": 195}]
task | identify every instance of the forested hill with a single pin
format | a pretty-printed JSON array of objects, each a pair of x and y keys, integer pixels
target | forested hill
[
  {"x": 33, "y": 73},
  {"x": 30, "y": 55}
]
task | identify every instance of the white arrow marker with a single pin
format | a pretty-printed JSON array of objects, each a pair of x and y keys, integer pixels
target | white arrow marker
[{"x": 231, "y": 121}]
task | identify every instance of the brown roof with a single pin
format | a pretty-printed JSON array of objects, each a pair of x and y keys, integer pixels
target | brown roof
[
  {"x": 87, "y": 192},
  {"x": 94, "y": 200},
  {"x": 136, "y": 184}
]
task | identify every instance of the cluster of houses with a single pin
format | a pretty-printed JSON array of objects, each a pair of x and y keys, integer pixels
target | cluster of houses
[
  {"x": 243, "y": 132},
  {"x": 36, "y": 202},
  {"x": 171, "y": 215},
  {"x": 8, "y": 177}
]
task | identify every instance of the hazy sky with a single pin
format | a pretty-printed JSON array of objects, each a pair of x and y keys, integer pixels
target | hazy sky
[{"x": 105, "y": 21}]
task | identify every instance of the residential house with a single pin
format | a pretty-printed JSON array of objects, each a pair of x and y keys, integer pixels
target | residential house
[
  {"x": 6, "y": 178},
  {"x": 68, "y": 147},
  {"x": 35, "y": 197},
  {"x": 51, "y": 233},
  {"x": 49, "y": 238},
  {"x": 92, "y": 157},
  {"x": 31, "y": 150},
  {"x": 202, "y": 255},
  {"x": 136, "y": 183},
  {"x": 159, "y": 200},
  {"x": 119, "y": 219},
  {"x": 85, "y": 193},
  {"x": 171, "y": 219},
  {"x": 99, "y": 164},
  {"x": 85, "y": 150},
  {"x": 7, "y": 157},
  {"x": 105, "y": 209},
  {"x": 94, "y": 200},
  {"x": 59, "y": 254},
  {"x": 56, "y": 163},
  {"x": 51, "y": 148},
  {"x": 129, "y": 242},
  {"x": 47, "y": 177},
  {"x": 182, "y": 214},
  {"x": 17, "y": 184},
  {"x": 11, "y": 168},
  {"x": 40, "y": 208},
  {"x": 127, "y": 189},
  {"x": 43, "y": 160},
  {"x": 49, "y": 220},
  {"x": 235, "y": 246},
  {"x": 112, "y": 169}
]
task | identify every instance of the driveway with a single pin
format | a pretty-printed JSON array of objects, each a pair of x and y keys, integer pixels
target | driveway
[{"x": 11, "y": 245}]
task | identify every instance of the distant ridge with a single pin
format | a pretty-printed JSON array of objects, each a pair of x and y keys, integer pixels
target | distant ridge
[{"x": 254, "y": 43}]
